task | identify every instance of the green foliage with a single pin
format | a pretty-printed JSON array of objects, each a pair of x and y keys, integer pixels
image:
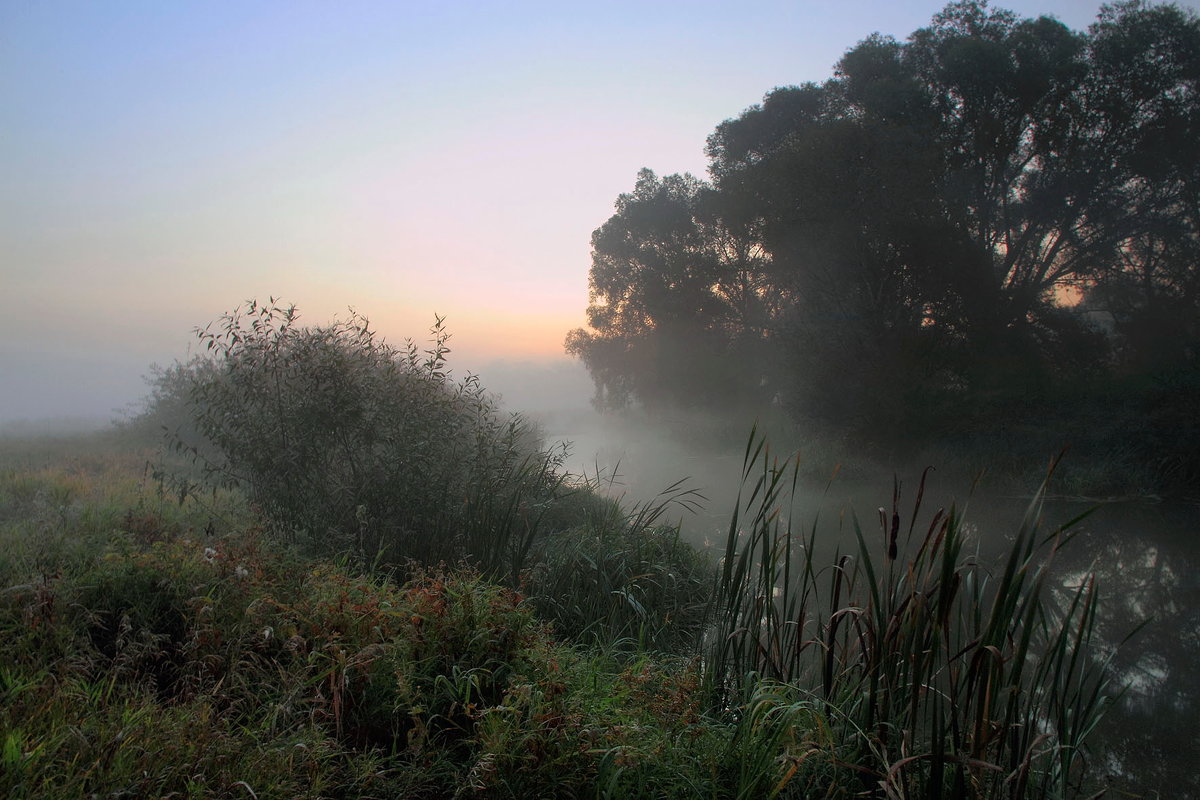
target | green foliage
[
  {"x": 156, "y": 660},
  {"x": 136, "y": 623},
  {"x": 350, "y": 445},
  {"x": 174, "y": 651},
  {"x": 623, "y": 576}
]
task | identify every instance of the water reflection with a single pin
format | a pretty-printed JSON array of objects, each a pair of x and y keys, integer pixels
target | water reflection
[{"x": 1145, "y": 559}]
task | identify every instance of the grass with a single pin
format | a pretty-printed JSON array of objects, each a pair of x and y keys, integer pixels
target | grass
[
  {"x": 151, "y": 654},
  {"x": 622, "y": 574},
  {"x": 936, "y": 676},
  {"x": 176, "y": 646}
]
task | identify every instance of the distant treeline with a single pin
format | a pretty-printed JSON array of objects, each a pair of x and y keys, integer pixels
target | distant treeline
[{"x": 997, "y": 218}]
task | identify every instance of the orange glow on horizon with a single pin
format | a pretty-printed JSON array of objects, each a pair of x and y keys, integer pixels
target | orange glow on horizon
[{"x": 485, "y": 334}]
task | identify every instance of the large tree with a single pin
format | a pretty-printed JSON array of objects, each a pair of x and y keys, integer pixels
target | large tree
[
  {"x": 860, "y": 250},
  {"x": 926, "y": 204},
  {"x": 678, "y": 308},
  {"x": 914, "y": 230},
  {"x": 1146, "y": 77}
]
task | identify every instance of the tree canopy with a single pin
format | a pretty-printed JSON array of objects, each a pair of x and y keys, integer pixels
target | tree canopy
[{"x": 981, "y": 212}]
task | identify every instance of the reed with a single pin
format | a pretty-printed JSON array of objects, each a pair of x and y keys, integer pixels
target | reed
[{"x": 937, "y": 676}]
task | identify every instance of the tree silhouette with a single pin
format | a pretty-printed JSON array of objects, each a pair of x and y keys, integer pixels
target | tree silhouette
[{"x": 905, "y": 244}]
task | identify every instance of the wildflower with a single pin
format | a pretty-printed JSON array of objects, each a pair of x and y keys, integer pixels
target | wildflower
[{"x": 210, "y": 554}]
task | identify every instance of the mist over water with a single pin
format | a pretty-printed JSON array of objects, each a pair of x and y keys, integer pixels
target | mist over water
[
  {"x": 1143, "y": 553},
  {"x": 134, "y": 226},
  {"x": 636, "y": 456}
]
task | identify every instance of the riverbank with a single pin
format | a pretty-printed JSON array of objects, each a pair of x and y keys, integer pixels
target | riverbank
[{"x": 162, "y": 645}]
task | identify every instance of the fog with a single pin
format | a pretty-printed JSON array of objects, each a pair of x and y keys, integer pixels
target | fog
[
  {"x": 633, "y": 455},
  {"x": 1142, "y": 552},
  {"x": 53, "y": 427},
  {"x": 45, "y": 389},
  {"x": 54, "y": 393}
]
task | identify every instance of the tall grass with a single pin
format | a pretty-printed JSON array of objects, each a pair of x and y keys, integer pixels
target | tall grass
[
  {"x": 936, "y": 676},
  {"x": 623, "y": 574},
  {"x": 159, "y": 658},
  {"x": 353, "y": 448}
]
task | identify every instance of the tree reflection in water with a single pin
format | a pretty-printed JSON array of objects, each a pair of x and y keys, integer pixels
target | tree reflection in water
[{"x": 1145, "y": 559}]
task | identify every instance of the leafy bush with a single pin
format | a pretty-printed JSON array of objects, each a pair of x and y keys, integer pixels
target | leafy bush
[
  {"x": 623, "y": 575},
  {"x": 137, "y": 623},
  {"x": 349, "y": 444}
]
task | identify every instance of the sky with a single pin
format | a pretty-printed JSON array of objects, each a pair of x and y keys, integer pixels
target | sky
[{"x": 160, "y": 163}]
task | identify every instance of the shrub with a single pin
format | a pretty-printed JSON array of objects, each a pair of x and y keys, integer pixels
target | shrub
[
  {"x": 460, "y": 641},
  {"x": 137, "y": 623},
  {"x": 349, "y": 444}
]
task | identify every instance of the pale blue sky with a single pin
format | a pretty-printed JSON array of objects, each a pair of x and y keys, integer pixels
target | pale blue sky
[{"x": 160, "y": 162}]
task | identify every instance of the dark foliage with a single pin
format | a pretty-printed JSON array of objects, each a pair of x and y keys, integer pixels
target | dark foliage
[{"x": 990, "y": 211}]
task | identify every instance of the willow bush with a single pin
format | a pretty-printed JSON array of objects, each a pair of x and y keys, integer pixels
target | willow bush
[{"x": 348, "y": 444}]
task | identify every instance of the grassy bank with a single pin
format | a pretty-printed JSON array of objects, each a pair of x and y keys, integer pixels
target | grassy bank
[
  {"x": 162, "y": 649},
  {"x": 167, "y": 646}
]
